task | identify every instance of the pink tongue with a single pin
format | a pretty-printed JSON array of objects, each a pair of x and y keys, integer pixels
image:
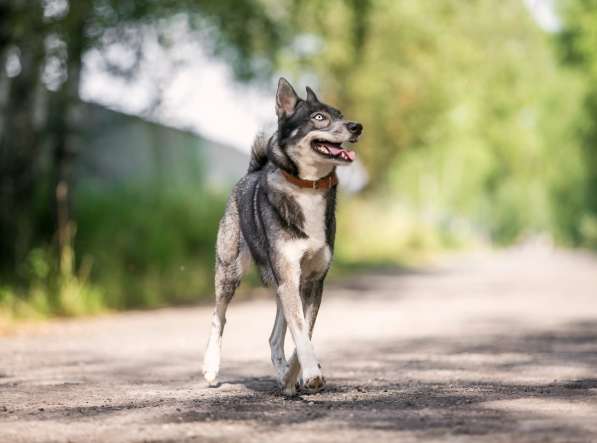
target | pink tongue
[{"x": 338, "y": 151}]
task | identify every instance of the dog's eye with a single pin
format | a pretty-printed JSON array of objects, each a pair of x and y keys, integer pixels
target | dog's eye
[{"x": 319, "y": 117}]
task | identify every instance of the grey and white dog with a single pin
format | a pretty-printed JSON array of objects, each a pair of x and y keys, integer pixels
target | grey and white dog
[{"x": 281, "y": 216}]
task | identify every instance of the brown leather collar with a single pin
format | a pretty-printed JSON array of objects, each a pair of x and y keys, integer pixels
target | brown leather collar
[{"x": 327, "y": 182}]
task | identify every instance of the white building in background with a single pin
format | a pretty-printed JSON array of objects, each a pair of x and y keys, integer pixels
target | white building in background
[{"x": 118, "y": 149}]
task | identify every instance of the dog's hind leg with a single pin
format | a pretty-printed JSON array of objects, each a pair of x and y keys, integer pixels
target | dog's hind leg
[
  {"x": 232, "y": 260},
  {"x": 276, "y": 342},
  {"x": 311, "y": 296}
]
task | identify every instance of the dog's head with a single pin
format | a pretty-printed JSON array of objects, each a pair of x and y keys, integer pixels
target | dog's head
[{"x": 312, "y": 133}]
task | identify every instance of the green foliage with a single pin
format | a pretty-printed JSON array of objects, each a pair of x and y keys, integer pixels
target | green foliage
[
  {"x": 149, "y": 247},
  {"x": 577, "y": 43},
  {"x": 42, "y": 46},
  {"x": 136, "y": 248},
  {"x": 244, "y": 32},
  {"x": 140, "y": 249},
  {"x": 467, "y": 114},
  {"x": 49, "y": 291}
]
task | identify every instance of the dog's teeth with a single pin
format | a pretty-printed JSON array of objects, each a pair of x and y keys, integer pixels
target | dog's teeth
[{"x": 321, "y": 147}]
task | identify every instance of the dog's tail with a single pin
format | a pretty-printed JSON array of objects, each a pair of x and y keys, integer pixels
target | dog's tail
[{"x": 258, "y": 153}]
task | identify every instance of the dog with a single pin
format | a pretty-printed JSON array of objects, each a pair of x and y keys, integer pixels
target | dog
[{"x": 281, "y": 216}]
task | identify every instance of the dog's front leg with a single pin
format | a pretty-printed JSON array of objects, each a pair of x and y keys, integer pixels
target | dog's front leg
[
  {"x": 311, "y": 297},
  {"x": 289, "y": 295}
]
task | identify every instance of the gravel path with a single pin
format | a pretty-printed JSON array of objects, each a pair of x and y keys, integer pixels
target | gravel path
[{"x": 485, "y": 347}]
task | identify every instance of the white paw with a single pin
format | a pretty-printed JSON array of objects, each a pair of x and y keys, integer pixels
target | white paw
[
  {"x": 211, "y": 365},
  {"x": 313, "y": 380},
  {"x": 211, "y": 378}
]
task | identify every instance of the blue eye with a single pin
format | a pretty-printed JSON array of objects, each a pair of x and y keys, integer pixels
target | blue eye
[{"x": 319, "y": 117}]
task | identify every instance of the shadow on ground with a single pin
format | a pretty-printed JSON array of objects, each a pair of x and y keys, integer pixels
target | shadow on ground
[{"x": 489, "y": 385}]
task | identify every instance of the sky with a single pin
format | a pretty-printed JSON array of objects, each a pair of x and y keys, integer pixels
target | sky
[
  {"x": 198, "y": 92},
  {"x": 543, "y": 12}
]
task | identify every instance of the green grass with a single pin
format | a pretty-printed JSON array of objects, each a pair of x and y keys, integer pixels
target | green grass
[
  {"x": 149, "y": 249},
  {"x": 133, "y": 248}
]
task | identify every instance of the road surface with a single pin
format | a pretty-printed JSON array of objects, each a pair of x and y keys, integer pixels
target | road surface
[{"x": 482, "y": 348}]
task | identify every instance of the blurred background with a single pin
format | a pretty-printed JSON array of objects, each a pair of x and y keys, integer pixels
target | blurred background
[{"x": 123, "y": 125}]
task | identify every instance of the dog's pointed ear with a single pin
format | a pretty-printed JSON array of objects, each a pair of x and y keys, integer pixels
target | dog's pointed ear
[
  {"x": 286, "y": 98},
  {"x": 311, "y": 97}
]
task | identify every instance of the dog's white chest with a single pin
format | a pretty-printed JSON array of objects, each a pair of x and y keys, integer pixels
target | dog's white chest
[
  {"x": 313, "y": 206},
  {"x": 311, "y": 255}
]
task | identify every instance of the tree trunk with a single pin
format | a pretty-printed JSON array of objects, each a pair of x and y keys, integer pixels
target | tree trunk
[
  {"x": 65, "y": 121},
  {"x": 22, "y": 39}
]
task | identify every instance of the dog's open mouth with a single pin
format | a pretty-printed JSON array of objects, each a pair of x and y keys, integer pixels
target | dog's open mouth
[{"x": 333, "y": 150}]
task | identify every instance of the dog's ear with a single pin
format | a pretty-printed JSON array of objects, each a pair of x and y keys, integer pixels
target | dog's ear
[
  {"x": 311, "y": 97},
  {"x": 286, "y": 98}
]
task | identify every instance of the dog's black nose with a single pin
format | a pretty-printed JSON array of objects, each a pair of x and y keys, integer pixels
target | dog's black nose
[{"x": 355, "y": 127}]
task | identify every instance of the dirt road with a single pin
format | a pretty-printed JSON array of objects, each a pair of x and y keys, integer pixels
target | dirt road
[{"x": 491, "y": 347}]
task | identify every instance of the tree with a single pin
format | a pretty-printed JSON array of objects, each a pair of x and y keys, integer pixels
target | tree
[
  {"x": 577, "y": 44},
  {"x": 42, "y": 45},
  {"x": 451, "y": 103}
]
